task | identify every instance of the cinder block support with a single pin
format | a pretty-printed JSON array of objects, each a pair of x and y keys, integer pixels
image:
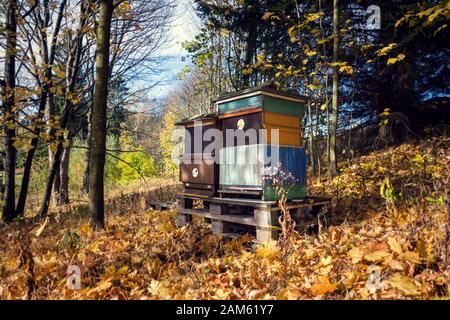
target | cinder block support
[
  {"x": 266, "y": 234},
  {"x": 218, "y": 208},
  {"x": 219, "y": 227},
  {"x": 183, "y": 219},
  {"x": 265, "y": 217}
]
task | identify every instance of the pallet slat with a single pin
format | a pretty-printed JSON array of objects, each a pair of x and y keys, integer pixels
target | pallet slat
[
  {"x": 251, "y": 221},
  {"x": 234, "y": 215}
]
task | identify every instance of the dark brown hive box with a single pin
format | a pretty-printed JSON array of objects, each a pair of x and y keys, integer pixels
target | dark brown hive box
[{"x": 198, "y": 171}]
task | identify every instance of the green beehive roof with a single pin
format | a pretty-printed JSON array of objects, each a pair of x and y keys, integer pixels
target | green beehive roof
[{"x": 263, "y": 96}]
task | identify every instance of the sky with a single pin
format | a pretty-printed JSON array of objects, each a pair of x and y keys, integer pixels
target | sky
[{"x": 184, "y": 27}]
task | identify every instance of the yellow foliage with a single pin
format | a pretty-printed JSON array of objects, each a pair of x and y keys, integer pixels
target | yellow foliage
[
  {"x": 247, "y": 71},
  {"x": 224, "y": 32},
  {"x": 267, "y": 15},
  {"x": 310, "y": 53},
  {"x": 385, "y": 50},
  {"x": 399, "y": 57},
  {"x": 346, "y": 69}
]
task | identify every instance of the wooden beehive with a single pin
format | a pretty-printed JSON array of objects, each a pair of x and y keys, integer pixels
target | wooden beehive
[
  {"x": 263, "y": 108},
  {"x": 246, "y": 204},
  {"x": 244, "y": 170},
  {"x": 199, "y": 173},
  {"x": 244, "y": 162}
]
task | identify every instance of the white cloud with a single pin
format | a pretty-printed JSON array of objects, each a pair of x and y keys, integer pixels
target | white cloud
[{"x": 184, "y": 27}]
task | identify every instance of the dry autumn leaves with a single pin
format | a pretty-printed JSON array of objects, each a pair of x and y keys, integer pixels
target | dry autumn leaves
[{"x": 384, "y": 245}]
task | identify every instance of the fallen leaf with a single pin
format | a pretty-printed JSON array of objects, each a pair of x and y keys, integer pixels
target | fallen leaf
[
  {"x": 376, "y": 256},
  {"x": 394, "y": 245},
  {"x": 268, "y": 250},
  {"x": 323, "y": 287},
  {"x": 425, "y": 249},
  {"x": 101, "y": 286},
  {"x": 411, "y": 256},
  {"x": 405, "y": 284},
  {"x": 356, "y": 254},
  {"x": 325, "y": 261},
  {"x": 39, "y": 231},
  {"x": 160, "y": 288},
  {"x": 394, "y": 264}
]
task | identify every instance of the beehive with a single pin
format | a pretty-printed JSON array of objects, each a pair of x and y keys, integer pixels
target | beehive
[
  {"x": 263, "y": 108},
  {"x": 245, "y": 169},
  {"x": 199, "y": 173},
  {"x": 244, "y": 162}
]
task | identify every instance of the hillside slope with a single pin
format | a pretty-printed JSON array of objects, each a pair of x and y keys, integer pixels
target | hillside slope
[{"x": 388, "y": 242}]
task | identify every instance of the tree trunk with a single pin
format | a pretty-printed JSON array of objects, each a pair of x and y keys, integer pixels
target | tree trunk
[
  {"x": 51, "y": 178},
  {"x": 49, "y": 59},
  {"x": 71, "y": 78},
  {"x": 56, "y": 162},
  {"x": 20, "y": 209},
  {"x": 2, "y": 168},
  {"x": 316, "y": 146},
  {"x": 64, "y": 176},
  {"x": 50, "y": 113},
  {"x": 51, "y": 106},
  {"x": 56, "y": 183},
  {"x": 9, "y": 115},
  {"x": 334, "y": 115},
  {"x": 311, "y": 140},
  {"x": 249, "y": 52},
  {"x": 87, "y": 158},
  {"x": 98, "y": 125}
]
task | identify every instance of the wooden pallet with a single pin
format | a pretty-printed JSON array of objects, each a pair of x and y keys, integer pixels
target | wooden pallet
[{"x": 231, "y": 217}]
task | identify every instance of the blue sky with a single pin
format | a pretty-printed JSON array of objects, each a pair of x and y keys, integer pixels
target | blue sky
[{"x": 184, "y": 27}]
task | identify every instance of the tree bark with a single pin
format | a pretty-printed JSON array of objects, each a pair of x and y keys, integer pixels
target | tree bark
[
  {"x": 87, "y": 160},
  {"x": 335, "y": 114},
  {"x": 20, "y": 209},
  {"x": 64, "y": 177},
  {"x": 311, "y": 140},
  {"x": 54, "y": 169},
  {"x": 51, "y": 178},
  {"x": 98, "y": 125},
  {"x": 316, "y": 135},
  {"x": 9, "y": 115},
  {"x": 2, "y": 168},
  {"x": 56, "y": 182},
  {"x": 249, "y": 51},
  {"x": 49, "y": 58},
  {"x": 71, "y": 78}
]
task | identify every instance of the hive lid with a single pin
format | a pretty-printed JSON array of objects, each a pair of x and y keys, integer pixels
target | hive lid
[
  {"x": 197, "y": 117},
  {"x": 267, "y": 88},
  {"x": 262, "y": 98}
]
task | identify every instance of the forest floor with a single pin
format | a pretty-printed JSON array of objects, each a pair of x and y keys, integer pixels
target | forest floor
[{"x": 388, "y": 241}]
